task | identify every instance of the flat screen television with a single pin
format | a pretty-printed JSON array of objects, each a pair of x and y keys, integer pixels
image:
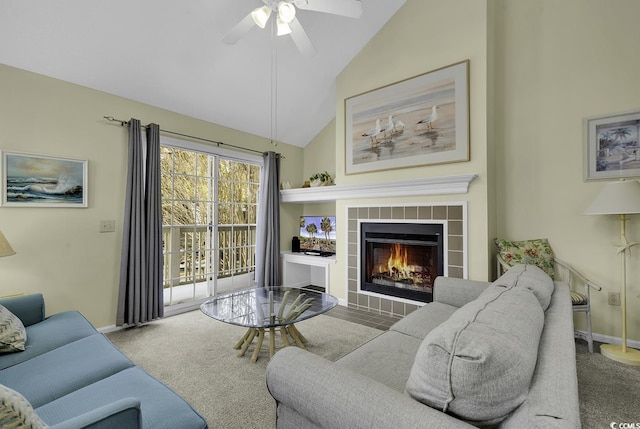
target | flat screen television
[{"x": 318, "y": 234}]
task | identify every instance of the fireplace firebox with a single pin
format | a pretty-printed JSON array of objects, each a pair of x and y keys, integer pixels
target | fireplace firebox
[{"x": 401, "y": 259}]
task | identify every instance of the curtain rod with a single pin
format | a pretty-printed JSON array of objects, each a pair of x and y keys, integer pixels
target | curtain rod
[{"x": 123, "y": 123}]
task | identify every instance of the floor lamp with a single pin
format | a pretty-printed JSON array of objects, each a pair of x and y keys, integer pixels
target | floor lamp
[
  {"x": 620, "y": 198},
  {"x": 5, "y": 247}
]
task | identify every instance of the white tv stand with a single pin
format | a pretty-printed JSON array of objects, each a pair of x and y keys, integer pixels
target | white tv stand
[{"x": 300, "y": 270}]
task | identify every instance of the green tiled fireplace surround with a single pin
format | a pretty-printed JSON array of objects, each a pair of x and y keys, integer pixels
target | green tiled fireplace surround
[{"x": 452, "y": 214}]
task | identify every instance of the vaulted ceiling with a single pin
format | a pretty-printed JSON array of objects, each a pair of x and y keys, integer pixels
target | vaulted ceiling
[{"x": 170, "y": 54}]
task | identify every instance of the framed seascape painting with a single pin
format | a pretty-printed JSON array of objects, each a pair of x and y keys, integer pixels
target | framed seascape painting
[
  {"x": 418, "y": 121},
  {"x": 611, "y": 146},
  {"x": 43, "y": 181}
]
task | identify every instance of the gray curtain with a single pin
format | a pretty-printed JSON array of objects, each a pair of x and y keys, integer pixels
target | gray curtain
[
  {"x": 140, "y": 298},
  {"x": 268, "y": 227}
]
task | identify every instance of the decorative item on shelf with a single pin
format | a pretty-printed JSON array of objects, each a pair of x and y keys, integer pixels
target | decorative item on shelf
[
  {"x": 285, "y": 185},
  {"x": 320, "y": 179},
  {"x": 306, "y": 184},
  {"x": 620, "y": 198}
]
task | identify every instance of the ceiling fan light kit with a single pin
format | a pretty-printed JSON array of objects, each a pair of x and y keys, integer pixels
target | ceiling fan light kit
[
  {"x": 286, "y": 21},
  {"x": 283, "y": 28},
  {"x": 286, "y": 11},
  {"x": 261, "y": 15}
]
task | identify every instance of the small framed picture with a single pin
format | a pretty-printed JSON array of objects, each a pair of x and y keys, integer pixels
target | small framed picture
[
  {"x": 611, "y": 146},
  {"x": 43, "y": 181}
]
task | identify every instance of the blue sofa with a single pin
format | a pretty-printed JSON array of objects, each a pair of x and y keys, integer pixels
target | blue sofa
[{"x": 74, "y": 377}]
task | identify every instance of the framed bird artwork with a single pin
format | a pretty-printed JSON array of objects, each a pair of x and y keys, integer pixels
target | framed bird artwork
[{"x": 417, "y": 121}]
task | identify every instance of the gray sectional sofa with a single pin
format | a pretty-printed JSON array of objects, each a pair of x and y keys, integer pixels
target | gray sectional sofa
[
  {"x": 498, "y": 354},
  {"x": 74, "y": 377}
]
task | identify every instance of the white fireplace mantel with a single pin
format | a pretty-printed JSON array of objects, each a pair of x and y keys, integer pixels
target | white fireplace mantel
[{"x": 399, "y": 188}]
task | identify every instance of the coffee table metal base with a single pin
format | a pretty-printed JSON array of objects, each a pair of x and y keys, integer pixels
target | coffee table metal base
[{"x": 286, "y": 331}]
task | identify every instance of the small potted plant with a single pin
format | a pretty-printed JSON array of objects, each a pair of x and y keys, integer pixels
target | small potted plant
[{"x": 320, "y": 179}]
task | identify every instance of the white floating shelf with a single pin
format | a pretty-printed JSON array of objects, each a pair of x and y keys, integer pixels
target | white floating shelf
[{"x": 399, "y": 188}]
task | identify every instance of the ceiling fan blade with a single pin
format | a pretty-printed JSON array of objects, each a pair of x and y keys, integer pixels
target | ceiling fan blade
[
  {"x": 239, "y": 30},
  {"x": 350, "y": 8},
  {"x": 301, "y": 39}
]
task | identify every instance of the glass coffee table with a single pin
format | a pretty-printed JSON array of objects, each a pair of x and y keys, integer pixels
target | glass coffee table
[{"x": 268, "y": 308}]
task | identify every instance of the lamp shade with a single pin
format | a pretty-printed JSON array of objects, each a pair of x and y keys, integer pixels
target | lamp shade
[
  {"x": 5, "y": 247},
  {"x": 261, "y": 16},
  {"x": 286, "y": 12},
  {"x": 621, "y": 197},
  {"x": 283, "y": 28}
]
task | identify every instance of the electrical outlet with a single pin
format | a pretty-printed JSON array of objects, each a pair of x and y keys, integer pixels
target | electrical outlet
[
  {"x": 107, "y": 225},
  {"x": 614, "y": 298}
]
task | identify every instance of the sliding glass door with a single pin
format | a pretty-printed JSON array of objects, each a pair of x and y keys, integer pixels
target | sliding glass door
[{"x": 209, "y": 203}]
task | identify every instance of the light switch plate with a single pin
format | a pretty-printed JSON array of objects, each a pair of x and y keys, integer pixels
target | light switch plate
[
  {"x": 107, "y": 225},
  {"x": 614, "y": 298}
]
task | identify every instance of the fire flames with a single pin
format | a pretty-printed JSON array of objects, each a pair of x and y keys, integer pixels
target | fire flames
[
  {"x": 397, "y": 266},
  {"x": 397, "y": 262}
]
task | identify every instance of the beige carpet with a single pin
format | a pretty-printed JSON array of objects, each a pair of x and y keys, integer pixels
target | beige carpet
[
  {"x": 193, "y": 354},
  {"x": 609, "y": 391}
]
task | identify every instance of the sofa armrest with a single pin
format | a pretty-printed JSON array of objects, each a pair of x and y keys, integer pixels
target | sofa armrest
[
  {"x": 28, "y": 308},
  {"x": 331, "y": 396},
  {"x": 457, "y": 292},
  {"x": 121, "y": 414}
]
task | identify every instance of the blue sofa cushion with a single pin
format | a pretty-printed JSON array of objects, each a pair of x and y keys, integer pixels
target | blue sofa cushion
[
  {"x": 54, "y": 374},
  {"x": 16, "y": 411},
  {"x": 53, "y": 332},
  {"x": 161, "y": 407},
  {"x": 13, "y": 336},
  {"x": 28, "y": 308}
]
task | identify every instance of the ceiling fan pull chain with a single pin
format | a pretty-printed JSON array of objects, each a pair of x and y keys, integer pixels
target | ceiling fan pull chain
[{"x": 274, "y": 86}]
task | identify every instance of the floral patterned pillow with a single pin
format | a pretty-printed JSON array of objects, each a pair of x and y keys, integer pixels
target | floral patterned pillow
[{"x": 532, "y": 252}]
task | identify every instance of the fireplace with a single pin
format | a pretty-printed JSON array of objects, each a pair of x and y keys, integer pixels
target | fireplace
[{"x": 401, "y": 259}]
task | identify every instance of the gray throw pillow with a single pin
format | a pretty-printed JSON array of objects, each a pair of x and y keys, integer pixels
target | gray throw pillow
[
  {"x": 530, "y": 277},
  {"x": 13, "y": 336},
  {"x": 478, "y": 365},
  {"x": 16, "y": 411}
]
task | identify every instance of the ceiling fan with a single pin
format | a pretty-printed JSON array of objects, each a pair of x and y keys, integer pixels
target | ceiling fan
[{"x": 286, "y": 21}]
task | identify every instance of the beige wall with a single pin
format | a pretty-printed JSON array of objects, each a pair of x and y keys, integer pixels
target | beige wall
[
  {"x": 319, "y": 156},
  {"x": 557, "y": 63},
  {"x": 424, "y": 35},
  {"x": 60, "y": 251}
]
